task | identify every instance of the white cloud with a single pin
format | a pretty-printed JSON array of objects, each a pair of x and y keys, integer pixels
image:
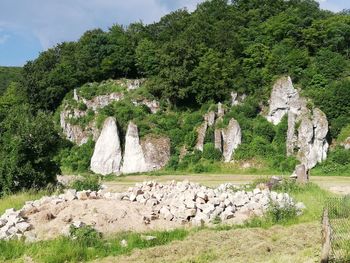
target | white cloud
[{"x": 54, "y": 21}]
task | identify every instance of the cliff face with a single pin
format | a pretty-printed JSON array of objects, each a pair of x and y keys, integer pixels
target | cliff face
[{"x": 308, "y": 141}]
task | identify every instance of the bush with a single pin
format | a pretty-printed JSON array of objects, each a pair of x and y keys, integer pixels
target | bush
[
  {"x": 211, "y": 153},
  {"x": 77, "y": 158},
  {"x": 88, "y": 183},
  {"x": 279, "y": 214}
]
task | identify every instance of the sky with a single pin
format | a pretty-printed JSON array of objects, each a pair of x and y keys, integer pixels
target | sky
[{"x": 28, "y": 27}]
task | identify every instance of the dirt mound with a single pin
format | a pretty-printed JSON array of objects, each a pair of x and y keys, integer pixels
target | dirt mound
[{"x": 106, "y": 216}]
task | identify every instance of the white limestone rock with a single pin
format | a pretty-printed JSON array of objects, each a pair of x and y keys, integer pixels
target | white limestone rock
[
  {"x": 107, "y": 154},
  {"x": 134, "y": 158},
  {"x": 282, "y": 94}
]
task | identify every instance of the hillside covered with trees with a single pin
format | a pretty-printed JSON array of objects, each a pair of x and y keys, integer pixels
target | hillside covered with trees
[{"x": 191, "y": 61}]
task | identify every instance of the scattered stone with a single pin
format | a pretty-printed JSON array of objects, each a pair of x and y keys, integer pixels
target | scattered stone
[
  {"x": 124, "y": 243},
  {"x": 148, "y": 238}
]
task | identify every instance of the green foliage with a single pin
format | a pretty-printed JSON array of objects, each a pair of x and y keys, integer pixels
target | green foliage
[
  {"x": 88, "y": 183},
  {"x": 337, "y": 163},
  {"x": 211, "y": 153},
  {"x": 91, "y": 90},
  {"x": 86, "y": 235},
  {"x": 28, "y": 146},
  {"x": 76, "y": 158},
  {"x": 8, "y": 75}
]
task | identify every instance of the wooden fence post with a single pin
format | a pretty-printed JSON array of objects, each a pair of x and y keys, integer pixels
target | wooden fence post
[{"x": 326, "y": 237}]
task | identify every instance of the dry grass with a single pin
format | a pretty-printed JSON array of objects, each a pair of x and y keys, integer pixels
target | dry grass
[{"x": 297, "y": 243}]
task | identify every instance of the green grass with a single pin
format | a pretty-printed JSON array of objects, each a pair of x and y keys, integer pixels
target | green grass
[
  {"x": 17, "y": 200},
  {"x": 65, "y": 249}
]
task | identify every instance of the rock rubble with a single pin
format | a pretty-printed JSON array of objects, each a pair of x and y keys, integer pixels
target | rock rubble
[{"x": 183, "y": 202}]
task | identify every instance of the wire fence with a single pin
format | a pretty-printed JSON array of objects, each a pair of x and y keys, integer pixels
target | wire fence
[{"x": 336, "y": 229}]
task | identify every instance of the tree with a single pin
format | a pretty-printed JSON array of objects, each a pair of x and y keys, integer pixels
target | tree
[{"x": 28, "y": 144}]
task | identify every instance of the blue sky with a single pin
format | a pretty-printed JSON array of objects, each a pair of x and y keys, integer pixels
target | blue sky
[{"x": 30, "y": 26}]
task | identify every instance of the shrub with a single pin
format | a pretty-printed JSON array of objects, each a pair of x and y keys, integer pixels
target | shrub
[
  {"x": 211, "y": 153},
  {"x": 88, "y": 183},
  {"x": 279, "y": 214},
  {"x": 77, "y": 158}
]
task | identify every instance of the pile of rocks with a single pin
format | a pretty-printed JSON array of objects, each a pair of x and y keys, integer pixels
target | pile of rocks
[
  {"x": 13, "y": 225},
  {"x": 191, "y": 202},
  {"x": 182, "y": 202}
]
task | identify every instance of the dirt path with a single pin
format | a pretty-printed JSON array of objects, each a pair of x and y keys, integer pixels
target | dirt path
[
  {"x": 298, "y": 243},
  {"x": 336, "y": 184}
]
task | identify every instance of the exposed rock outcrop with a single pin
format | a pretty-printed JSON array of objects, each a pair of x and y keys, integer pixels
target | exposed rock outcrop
[
  {"x": 153, "y": 105},
  {"x": 283, "y": 96},
  {"x": 107, "y": 154},
  {"x": 218, "y": 139},
  {"x": 312, "y": 142},
  {"x": 102, "y": 101},
  {"x": 210, "y": 118},
  {"x": 236, "y": 99},
  {"x": 133, "y": 84},
  {"x": 201, "y": 131},
  {"x": 149, "y": 155},
  {"x": 134, "y": 159},
  {"x": 308, "y": 141},
  {"x": 76, "y": 133},
  {"x": 156, "y": 151},
  {"x": 232, "y": 138}
]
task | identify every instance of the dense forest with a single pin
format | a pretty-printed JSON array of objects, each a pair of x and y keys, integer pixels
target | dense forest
[{"x": 189, "y": 60}]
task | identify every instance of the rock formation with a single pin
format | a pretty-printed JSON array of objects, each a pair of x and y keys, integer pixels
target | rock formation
[
  {"x": 232, "y": 138},
  {"x": 236, "y": 100},
  {"x": 156, "y": 151},
  {"x": 201, "y": 131},
  {"x": 308, "y": 141},
  {"x": 102, "y": 101},
  {"x": 76, "y": 133},
  {"x": 107, "y": 154},
  {"x": 148, "y": 155},
  {"x": 210, "y": 118},
  {"x": 134, "y": 158},
  {"x": 312, "y": 142}
]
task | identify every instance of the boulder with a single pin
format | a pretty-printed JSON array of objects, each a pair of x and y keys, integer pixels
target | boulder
[
  {"x": 232, "y": 138},
  {"x": 107, "y": 154},
  {"x": 301, "y": 173}
]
